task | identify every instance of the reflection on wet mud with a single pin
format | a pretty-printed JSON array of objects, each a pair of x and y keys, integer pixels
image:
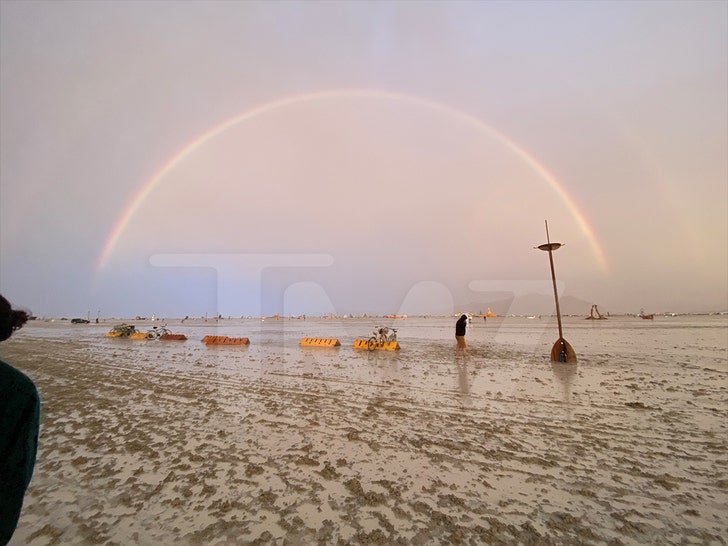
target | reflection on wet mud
[
  {"x": 463, "y": 377},
  {"x": 565, "y": 374}
]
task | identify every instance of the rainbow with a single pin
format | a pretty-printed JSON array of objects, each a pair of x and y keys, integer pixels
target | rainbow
[{"x": 210, "y": 134}]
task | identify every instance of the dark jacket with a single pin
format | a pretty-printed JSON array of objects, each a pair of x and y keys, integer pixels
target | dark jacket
[
  {"x": 460, "y": 325},
  {"x": 19, "y": 423}
]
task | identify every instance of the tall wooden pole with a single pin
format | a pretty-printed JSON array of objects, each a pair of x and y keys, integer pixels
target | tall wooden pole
[
  {"x": 553, "y": 280},
  {"x": 562, "y": 351}
]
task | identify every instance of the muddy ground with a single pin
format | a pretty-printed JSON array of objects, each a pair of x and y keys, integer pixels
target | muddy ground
[{"x": 178, "y": 443}]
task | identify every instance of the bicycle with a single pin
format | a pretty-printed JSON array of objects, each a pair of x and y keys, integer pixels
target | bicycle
[
  {"x": 158, "y": 331},
  {"x": 382, "y": 334}
]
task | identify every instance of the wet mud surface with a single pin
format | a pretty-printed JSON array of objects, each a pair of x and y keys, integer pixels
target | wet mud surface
[{"x": 179, "y": 443}]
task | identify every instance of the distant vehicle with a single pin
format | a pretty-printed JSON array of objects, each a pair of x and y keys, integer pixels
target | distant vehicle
[{"x": 79, "y": 321}]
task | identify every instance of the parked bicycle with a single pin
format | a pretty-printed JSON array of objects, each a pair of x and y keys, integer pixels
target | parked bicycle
[
  {"x": 158, "y": 331},
  {"x": 382, "y": 334}
]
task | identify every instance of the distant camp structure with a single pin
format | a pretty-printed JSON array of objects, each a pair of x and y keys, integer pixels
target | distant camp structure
[
  {"x": 594, "y": 314},
  {"x": 488, "y": 314}
]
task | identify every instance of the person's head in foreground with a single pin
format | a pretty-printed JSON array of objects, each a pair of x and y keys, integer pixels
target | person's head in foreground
[{"x": 10, "y": 319}]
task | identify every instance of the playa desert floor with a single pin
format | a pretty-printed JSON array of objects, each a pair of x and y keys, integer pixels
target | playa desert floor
[{"x": 179, "y": 443}]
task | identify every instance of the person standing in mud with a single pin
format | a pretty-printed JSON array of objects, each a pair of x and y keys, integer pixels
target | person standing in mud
[
  {"x": 460, "y": 327},
  {"x": 19, "y": 425}
]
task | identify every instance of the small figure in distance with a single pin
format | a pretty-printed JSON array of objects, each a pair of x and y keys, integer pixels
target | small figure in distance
[
  {"x": 19, "y": 424},
  {"x": 460, "y": 327}
]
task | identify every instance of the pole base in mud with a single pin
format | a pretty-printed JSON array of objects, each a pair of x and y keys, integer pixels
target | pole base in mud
[{"x": 562, "y": 351}]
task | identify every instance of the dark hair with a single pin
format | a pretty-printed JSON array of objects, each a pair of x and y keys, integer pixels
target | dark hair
[{"x": 10, "y": 319}]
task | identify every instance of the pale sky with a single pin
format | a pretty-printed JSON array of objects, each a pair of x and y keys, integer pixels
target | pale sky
[{"x": 245, "y": 158}]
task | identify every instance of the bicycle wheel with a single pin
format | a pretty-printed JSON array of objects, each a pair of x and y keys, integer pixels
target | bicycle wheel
[{"x": 372, "y": 343}]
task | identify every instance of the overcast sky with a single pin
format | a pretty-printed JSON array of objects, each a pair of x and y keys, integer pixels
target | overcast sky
[{"x": 192, "y": 158}]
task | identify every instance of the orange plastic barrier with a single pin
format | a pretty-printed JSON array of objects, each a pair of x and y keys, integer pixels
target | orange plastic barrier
[
  {"x": 386, "y": 346},
  {"x": 225, "y": 340},
  {"x": 319, "y": 342},
  {"x": 173, "y": 337},
  {"x": 361, "y": 344}
]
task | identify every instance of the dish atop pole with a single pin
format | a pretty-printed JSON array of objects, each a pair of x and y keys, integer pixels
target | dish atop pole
[{"x": 562, "y": 351}]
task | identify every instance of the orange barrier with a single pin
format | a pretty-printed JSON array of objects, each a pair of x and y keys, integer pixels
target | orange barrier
[
  {"x": 173, "y": 337},
  {"x": 319, "y": 342},
  {"x": 361, "y": 344},
  {"x": 386, "y": 346},
  {"x": 225, "y": 340}
]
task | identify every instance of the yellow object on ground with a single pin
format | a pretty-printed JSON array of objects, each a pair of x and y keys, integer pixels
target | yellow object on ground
[
  {"x": 385, "y": 346},
  {"x": 319, "y": 342},
  {"x": 121, "y": 330},
  {"x": 138, "y": 335}
]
